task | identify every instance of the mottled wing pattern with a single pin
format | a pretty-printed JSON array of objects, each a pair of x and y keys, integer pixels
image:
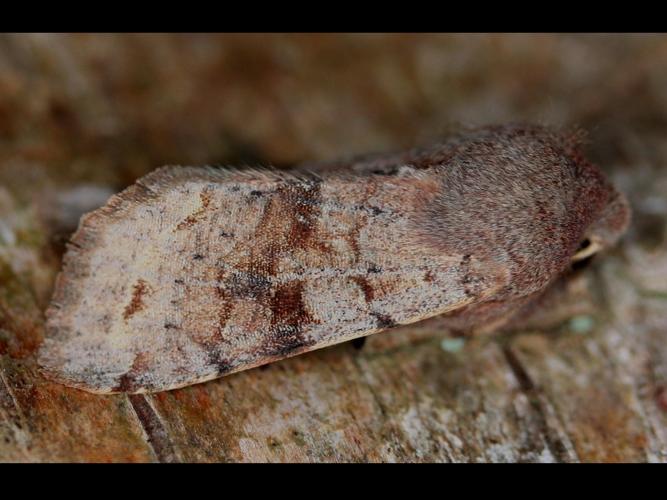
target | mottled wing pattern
[{"x": 193, "y": 273}]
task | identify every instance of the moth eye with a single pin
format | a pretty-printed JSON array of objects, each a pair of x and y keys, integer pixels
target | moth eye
[{"x": 586, "y": 250}]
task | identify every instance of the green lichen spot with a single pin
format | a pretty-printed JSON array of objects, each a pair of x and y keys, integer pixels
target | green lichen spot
[
  {"x": 452, "y": 345},
  {"x": 582, "y": 323}
]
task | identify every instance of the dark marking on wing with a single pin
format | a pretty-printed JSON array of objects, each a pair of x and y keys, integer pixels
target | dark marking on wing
[
  {"x": 366, "y": 287},
  {"x": 304, "y": 198},
  {"x": 289, "y": 222},
  {"x": 287, "y": 306},
  {"x": 286, "y": 340},
  {"x": 289, "y": 317},
  {"x": 248, "y": 285},
  {"x": 353, "y": 240},
  {"x": 383, "y": 320},
  {"x": 136, "y": 303},
  {"x": 190, "y": 220},
  {"x": 216, "y": 358}
]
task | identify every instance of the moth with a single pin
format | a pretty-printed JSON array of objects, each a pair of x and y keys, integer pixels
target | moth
[{"x": 193, "y": 273}]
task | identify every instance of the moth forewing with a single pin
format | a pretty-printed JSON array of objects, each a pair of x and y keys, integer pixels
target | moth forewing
[{"x": 192, "y": 274}]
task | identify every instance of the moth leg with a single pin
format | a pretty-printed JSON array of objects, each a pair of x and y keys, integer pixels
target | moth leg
[{"x": 358, "y": 343}]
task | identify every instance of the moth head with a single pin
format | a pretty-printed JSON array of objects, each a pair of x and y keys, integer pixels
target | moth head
[{"x": 606, "y": 229}]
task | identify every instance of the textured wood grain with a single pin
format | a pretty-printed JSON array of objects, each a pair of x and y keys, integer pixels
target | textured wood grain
[{"x": 584, "y": 380}]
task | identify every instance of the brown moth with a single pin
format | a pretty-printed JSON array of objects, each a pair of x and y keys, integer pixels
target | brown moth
[{"x": 195, "y": 273}]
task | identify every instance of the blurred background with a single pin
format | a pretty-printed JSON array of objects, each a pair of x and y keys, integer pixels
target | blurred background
[
  {"x": 112, "y": 107},
  {"x": 84, "y": 115}
]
